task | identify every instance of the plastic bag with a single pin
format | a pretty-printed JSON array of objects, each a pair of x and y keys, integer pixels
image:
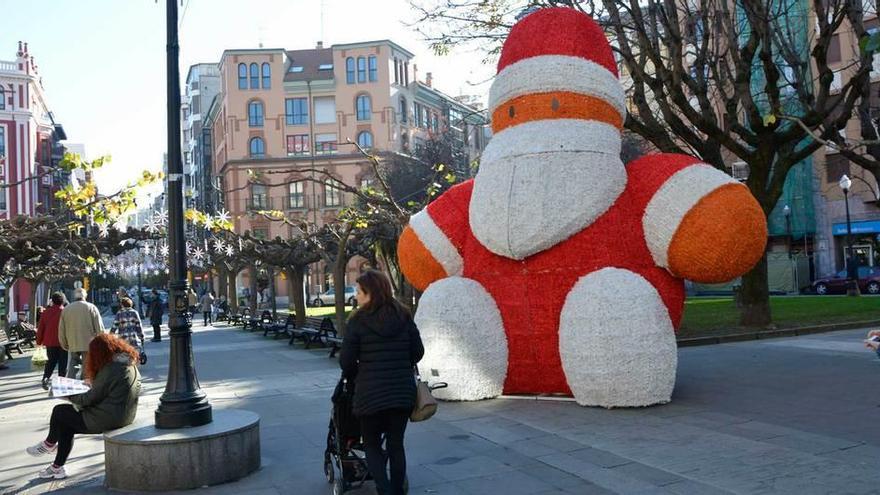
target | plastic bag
[{"x": 39, "y": 358}]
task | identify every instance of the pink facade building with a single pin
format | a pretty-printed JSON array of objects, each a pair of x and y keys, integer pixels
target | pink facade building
[
  {"x": 29, "y": 147},
  {"x": 303, "y": 109}
]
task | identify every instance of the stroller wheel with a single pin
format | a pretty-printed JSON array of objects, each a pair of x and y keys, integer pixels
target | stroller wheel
[
  {"x": 328, "y": 471},
  {"x": 338, "y": 486}
]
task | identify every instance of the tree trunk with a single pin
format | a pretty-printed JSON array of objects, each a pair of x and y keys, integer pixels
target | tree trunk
[
  {"x": 222, "y": 282},
  {"x": 339, "y": 282},
  {"x": 295, "y": 274},
  {"x": 32, "y": 312},
  {"x": 232, "y": 297},
  {"x": 755, "y": 296},
  {"x": 271, "y": 271},
  {"x": 252, "y": 283}
]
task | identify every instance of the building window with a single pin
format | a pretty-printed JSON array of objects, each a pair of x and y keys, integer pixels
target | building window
[
  {"x": 255, "y": 76},
  {"x": 325, "y": 110},
  {"x": 406, "y": 73},
  {"x": 835, "y": 166},
  {"x": 418, "y": 116},
  {"x": 267, "y": 76},
  {"x": 261, "y": 233},
  {"x": 332, "y": 194},
  {"x": 435, "y": 123},
  {"x": 255, "y": 114},
  {"x": 396, "y": 72},
  {"x": 298, "y": 144},
  {"x": 365, "y": 139},
  {"x": 3, "y": 147},
  {"x": 403, "y": 110},
  {"x": 374, "y": 69},
  {"x": 362, "y": 69},
  {"x": 296, "y": 111},
  {"x": 296, "y": 198},
  {"x": 426, "y": 117},
  {"x": 349, "y": 70},
  {"x": 325, "y": 144},
  {"x": 363, "y": 107},
  {"x": 242, "y": 76},
  {"x": 257, "y": 148},
  {"x": 833, "y": 55},
  {"x": 259, "y": 195}
]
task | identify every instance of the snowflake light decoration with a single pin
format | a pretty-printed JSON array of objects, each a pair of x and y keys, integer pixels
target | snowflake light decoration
[
  {"x": 164, "y": 249},
  {"x": 230, "y": 251},
  {"x": 161, "y": 216},
  {"x": 223, "y": 216},
  {"x": 219, "y": 246},
  {"x": 209, "y": 223},
  {"x": 198, "y": 254},
  {"x": 103, "y": 229},
  {"x": 152, "y": 225}
]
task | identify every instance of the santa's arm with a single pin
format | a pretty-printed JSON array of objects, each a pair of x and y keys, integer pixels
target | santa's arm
[
  {"x": 699, "y": 223},
  {"x": 430, "y": 246}
]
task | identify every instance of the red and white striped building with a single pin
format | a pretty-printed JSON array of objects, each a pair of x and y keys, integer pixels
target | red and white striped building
[{"x": 29, "y": 147}]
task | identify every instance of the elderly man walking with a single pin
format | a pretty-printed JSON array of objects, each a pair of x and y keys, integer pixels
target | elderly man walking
[{"x": 80, "y": 322}]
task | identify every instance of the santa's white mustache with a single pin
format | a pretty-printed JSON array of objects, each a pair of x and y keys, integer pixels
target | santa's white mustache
[{"x": 554, "y": 136}]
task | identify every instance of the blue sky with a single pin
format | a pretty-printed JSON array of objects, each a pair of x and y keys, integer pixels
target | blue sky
[{"x": 103, "y": 61}]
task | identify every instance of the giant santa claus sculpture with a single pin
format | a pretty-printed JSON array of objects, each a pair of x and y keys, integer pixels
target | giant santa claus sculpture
[{"x": 557, "y": 270}]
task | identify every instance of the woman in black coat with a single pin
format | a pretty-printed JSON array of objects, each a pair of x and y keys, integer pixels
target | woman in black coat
[{"x": 381, "y": 346}]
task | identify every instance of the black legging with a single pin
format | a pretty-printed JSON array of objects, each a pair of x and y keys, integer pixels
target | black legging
[
  {"x": 206, "y": 316},
  {"x": 157, "y": 331},
  {"x": 65, "y": 422},
  {"x": 392, "y": 423},
  {"x": 57, "y": 356}
]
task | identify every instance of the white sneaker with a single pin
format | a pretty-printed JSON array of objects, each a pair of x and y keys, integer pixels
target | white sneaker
[
  {"x": 42, "y": 448},
  {"x": 53, "y": 472}
]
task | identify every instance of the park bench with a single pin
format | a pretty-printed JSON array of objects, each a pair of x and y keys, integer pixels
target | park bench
[
  {"x": 253, "y": 322},
  {"x": 279, "y": 326},
  {"x": 238, "y": 317},
  {"x": 318, "y": 330},
  {"x": 9, "y": 343},
  {"x": 24, "y": 332}
]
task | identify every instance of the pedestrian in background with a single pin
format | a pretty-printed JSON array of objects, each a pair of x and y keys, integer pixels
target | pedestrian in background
[
  {"x": 207, "y": 307},
  {"x": 193, "y": 300},
  {"x": 47, "y": 335},
  {"x": 80, "y": 322},
  {"x": 110, "y": 403},
  {"x": 127, "y": 325},
  {"x": 155, "y": 313},
  {"x": 381, "y": 346}
]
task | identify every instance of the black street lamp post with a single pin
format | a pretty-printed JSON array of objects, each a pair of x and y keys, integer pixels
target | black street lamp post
[
  {"x": 852, "y": 261},
  {"x": 786, "y": 211},
  {"x": 183, "y": 403}
]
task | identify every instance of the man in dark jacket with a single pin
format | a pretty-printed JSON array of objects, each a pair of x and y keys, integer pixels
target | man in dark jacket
[{"x": 155, "y": 312}]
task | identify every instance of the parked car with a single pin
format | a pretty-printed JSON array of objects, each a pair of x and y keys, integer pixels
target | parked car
[
  {"x": 329, "y": 297},
  {"x": 869, "y": 282}
]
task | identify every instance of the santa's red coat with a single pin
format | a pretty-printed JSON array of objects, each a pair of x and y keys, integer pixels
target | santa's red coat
[{"x": 530, "y": 293}]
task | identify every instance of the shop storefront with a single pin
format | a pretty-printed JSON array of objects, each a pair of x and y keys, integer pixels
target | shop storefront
[{"x": 865, "y": 242}]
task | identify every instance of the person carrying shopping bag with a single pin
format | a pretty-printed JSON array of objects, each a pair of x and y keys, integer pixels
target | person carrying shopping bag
[
  {"x": 47, "y": 335},
  {"x": 127, "y": 324}
]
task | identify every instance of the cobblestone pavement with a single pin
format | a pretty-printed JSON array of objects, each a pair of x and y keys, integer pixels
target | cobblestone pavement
[{"x": 797, "y": 415}]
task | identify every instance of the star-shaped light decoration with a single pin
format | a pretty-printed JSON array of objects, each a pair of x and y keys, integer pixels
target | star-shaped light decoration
[
  {"x": 189, "y": 247},
  {"x": 219, "y": 246},
  {"x": 88, "y": 269},
  {"x": 223, "y": 216},
  {"x": 147, "y": 249},
  {"x": 209, "y": 223},
  {"x": 161, "y": 216},
  {"x": 152, "y": 225},
  {"x": 230, "y": 251},
  {"x": 164, "y": 249},
  {"x": 198, "y": 254},
  {"x": 103, "y": 229}
]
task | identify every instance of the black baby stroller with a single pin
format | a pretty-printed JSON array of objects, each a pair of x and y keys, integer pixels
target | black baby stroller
[{"x": 345, "y": 462}]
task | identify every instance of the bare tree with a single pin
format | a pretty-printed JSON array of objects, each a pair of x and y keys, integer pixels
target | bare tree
[{"x": 708, "y": 77}]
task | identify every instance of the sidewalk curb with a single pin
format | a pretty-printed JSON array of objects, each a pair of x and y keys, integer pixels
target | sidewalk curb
[{"x": 771, "y": 334}]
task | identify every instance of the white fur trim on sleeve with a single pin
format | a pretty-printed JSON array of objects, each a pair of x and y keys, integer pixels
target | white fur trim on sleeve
[
  {"x": 437, "y": 243},
  {"x": 556, "y": 73},
  {"x": 673, "y": 201}
]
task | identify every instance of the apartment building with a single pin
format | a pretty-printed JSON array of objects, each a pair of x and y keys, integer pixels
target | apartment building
[
  {"x": 30, "y": 148},
  {"x": 291, "y": 114},
  {"x": 202, "y": 85},
  {"x": 864, "y": 198}
]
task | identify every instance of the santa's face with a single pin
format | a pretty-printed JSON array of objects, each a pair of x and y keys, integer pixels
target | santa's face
[{"x": 553, "y": 165}]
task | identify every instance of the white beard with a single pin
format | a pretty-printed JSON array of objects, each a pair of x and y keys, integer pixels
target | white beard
[{"x": 541, "y": 182}]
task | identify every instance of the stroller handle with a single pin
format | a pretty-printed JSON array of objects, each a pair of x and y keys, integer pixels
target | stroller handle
[{"x": 437, "y": 385}]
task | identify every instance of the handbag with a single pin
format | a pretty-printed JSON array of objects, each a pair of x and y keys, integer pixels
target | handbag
[{"x": 426, "y": 404}]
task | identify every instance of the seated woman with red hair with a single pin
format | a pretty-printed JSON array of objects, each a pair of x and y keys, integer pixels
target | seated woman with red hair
[{"x": 110, "y": 403}]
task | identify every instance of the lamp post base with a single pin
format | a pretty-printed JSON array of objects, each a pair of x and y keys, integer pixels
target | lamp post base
[{"x": 183, "y": 415}]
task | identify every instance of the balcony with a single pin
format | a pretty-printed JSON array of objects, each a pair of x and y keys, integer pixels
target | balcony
[{"x": 7, "y": 66}]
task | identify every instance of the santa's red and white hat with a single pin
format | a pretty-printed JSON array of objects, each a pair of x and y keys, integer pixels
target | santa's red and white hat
[{"x": 556, "y": 63}]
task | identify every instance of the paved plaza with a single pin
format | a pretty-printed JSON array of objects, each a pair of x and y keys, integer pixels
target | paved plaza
[{"x": 797, "y": 415}]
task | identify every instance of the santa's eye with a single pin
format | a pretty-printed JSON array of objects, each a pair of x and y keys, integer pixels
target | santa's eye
[
  {"x": 554, "y": 104},
  {"x": 511, "y": 111}
]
